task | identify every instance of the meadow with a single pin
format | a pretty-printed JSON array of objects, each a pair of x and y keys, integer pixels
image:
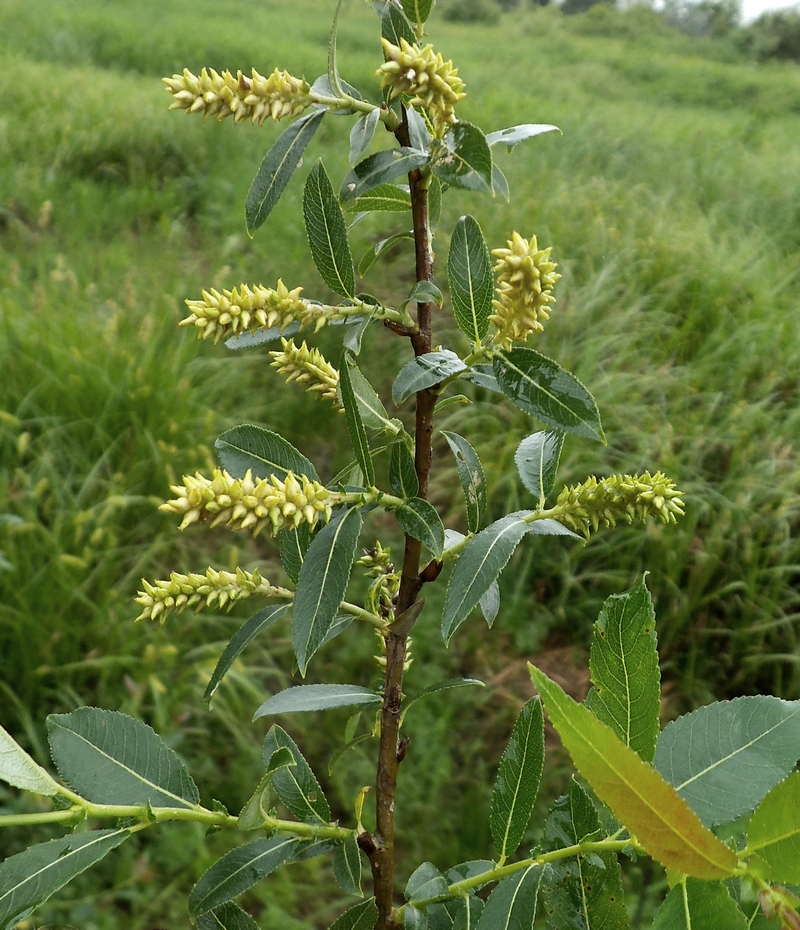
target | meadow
[{"x": 672, "y": 200}]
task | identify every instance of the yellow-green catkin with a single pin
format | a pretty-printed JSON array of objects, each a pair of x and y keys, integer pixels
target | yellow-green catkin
[
  {"x": 525, "y": 280},
  {"x": 382, "y": 593},
  {"x": 247, "y": 309},
  {"x": 254, "y": 98},
  {"x": 424, "y": 76},
  {"x": 251, "y": 504},
  {"x": 308, "y": 367},
  {"x": 586, "y": 506},
  {"x": 215, "y": 588}
]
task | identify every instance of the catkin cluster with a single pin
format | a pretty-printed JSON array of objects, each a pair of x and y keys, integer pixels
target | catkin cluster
[{"x": 309, "y": 367}]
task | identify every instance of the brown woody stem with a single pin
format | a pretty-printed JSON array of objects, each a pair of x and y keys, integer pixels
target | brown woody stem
[{"x": 382, "y": 858}]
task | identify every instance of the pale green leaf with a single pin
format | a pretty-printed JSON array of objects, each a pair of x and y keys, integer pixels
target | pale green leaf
[
  {"x": 425, "y": 371},
  {"x": 403, "y": 478},
  {"x": 462, "y": 913},
  {"x": 425, "y": 292},
  {"x": 327, "y": 233},
  {"x": 278, "y": 167},
  {"x": 422, "y": 521},
  {"x": 434, "y": 204},
  {"x": 239, "y": 870},
  {"x": 303, "y": 698},
  {"x": 512, "y": 904},
  {"x": 636, "y": 794},
  {"x": 446, "y": 685},
  {"x": 380, "y": 168},
  {"x": 333, "y": 66},
  {"x": 470, "y": 474},
  {"x": 414, "y": 919},
  {"x": 228, "y": 916},
  {"x": 543, "y": 389},
  {"x": 500, "y": 183},
  {"x": 18, "y": 769},
  {"x": 361, "y": 916},
  {"x": 464, "y": 159},
  {"x": 111, "y": 758},
  {"x": 295, "y": 785},
  {"x": 29, "y": 878},
  {"x": 537, "y": 459},
  {"x": 245, "y": 635},
  {"x": 698, "y": 905},
  {"x": 624, "y": 669},
  {"x": 478, "y": 566},
  {"x": 418, "y": 133},
  {"x": 355, "y": 423},
  {"x": 425, "y": 882},
  {"x": 386, "y": 198},
  {"x": 382, "y": 247},
  {"x": 322, "y": 88},
  {"x": 490, "y": 604},
  {"x": 518, "y": 780},
  {"x": 469, "y": 270},
  {"x": 515, "y": 134},
  {"x": 347, "y": 866},
  {"x": 323, "y": 582},
  {"x": 774, "y": 831},
  {"x": 247, "y": 340},
  {"x": 724, "y": 758},
  {"x": 263, "y": 452},
  {"x": 465, "y": 870}
]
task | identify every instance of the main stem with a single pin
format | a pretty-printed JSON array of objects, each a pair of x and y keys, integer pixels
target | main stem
[{"x": 382, "y": 853}]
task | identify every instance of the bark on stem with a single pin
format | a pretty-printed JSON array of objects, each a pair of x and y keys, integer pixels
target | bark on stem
[{"x": 382, "y": 857}]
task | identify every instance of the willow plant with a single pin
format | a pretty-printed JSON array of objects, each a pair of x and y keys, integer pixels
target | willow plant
[{"x": 664, "y": 794}]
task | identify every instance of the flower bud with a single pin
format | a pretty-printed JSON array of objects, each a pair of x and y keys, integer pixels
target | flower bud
[{"x": 309, "y": 367}]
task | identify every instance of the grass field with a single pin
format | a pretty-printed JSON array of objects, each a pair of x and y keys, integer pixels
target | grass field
[{"x": 673, "y": 203}]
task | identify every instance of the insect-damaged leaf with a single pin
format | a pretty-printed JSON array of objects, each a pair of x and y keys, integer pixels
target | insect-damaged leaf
[{"x": 473, "y": 481}]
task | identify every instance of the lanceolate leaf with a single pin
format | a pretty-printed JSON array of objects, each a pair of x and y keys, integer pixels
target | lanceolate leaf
[
  {"x": 581, "y": 893},
  {"x": 316, "y": 697},
  {"x": 518, "y": 780},
  {"x": 636, "y": 794},
  {"x": 327, "y": 233},
  {"x": 414, "y": 919},
  {"x": 227, "y": 916},
  {"x": 355, "y": 424},
  {"x": 425, "y": 292},
  {"x": 696, "y": 905},
  {"x": 264, "y": 452},
  {"x": 512, "y": 904},
  {"x": 478, "y": 566},
  {"x": 403, "y": 478},
  {"x": 18, "y": 769},
  {"x": 322, "y": 583},
  {"x": 251, "y": 816},
  {"x": 247, "y": 340},
  {"x": 386, "y": 198},
  {"x": 417, "y": 11},
  {"x": 278, "y": 167},
  {"x": 361, "y": 135},
  {"x": 241, "y": 639},
  {"x": 500, "y": 184},
  {"x": 395, "y": 26},
  {"x": 624, "y": 669},
  {"x": 446, "y": 685},
  {"x": 370, "y": 406},
  {"x": 462, "y": 913},
  {"x": 465, "y": 159},
  {"x": 110, "y": 758},
  {"x": 347, "y": 866},
  {"x": 29, "y": 878},
  {"x": 359, "y": 917},
  {"x": 469, "y": 269},
  {"x": 724, "y": 758},
  {"x": 490, "y": 603},
  {"x": 774, "y": 831},
  {"x": 541, "y": 387},
  {"x": 472, "y": 479},
  {"x": 296, "y": 785},
  {"x": 515, "y": 134},
  {"x": 239, "y": 870},
  {"x": 380, "y": 168},
  {"x": 418, "y": 134},
  {"x": 293, "y": 545},
  {"x": 424, "y": 371},
  {"x": 537, "y": 458},
  {"x": 381, "y": 248},
  {"x": 422, "y": 521},
  {"x": 425, "y": 882}
]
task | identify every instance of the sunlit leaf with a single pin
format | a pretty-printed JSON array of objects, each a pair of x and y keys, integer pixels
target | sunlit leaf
[
  {"x": 18, "y": 769},
  {"x": 425, "y": 371},
  {"x": 537, "y": 459},
  {"x": 464, "y": 159},
  {"x": 774, "y": 831}
]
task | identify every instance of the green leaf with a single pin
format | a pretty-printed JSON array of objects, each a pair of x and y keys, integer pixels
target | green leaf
[
  {"x": 327, "y": 233},
  {"x": 385, "y": 198},
  {"x": 697, "y": 905},
  {"x": 414, "y": 919},
  {"x": 379, "y": 169},
  {"x": 434, "y": 204},
  {"x": 110, "y": 758},
  {"x": 636, "y": 794},
  {"x": 239, "y": 870},
  {"x": 245, "y": 635},
  {"x": 355, "y": 425},
  {"x": 361, "y": 916},
  {"x": 403, "y": 478},
  {"x": 473, "y": 481},
  {"x": 464, "y": 159},
  {"x": 537, "y": 459},
  {"x": 581, "y": 893},
  {"x": 542, "y": 388},
  {"x": 425, "y": 882},
  {"x": 418, "y": 133},
  {"x": 462, "y": 913},
  {"x": 515, "y": 134},
  {"x": 490, "y": 604},
  {"x": 381, "y": 247},
  {"x": 500, "y": 184},
  {"x": 29, "y": 878},
  {"x": 425, "y": 292},
  {"x": 724, "y": 758},
  {"x": 263, "y": 452},
  {"x": 355, "y": 331},
  {"x": 469, "y": 270},
  {"x": 395, "y": 26},
  {"x": 322, "y": 88},
  {"x": 18, "y": 769},
  {"x": 446, "y": 685},
  {"x": 518, "y": 779},
  {"x": 247, "y": 340},
  {"x": 323, "y": 582},
  {"x": 624, "y": 669},
  {"x": 478, "y": 566},
  {"x": 347, "y": 866},
  {"x": 251, "y": 816},
  {"x": 333, "y": 67},
  {"x": 422, "y": 521},
  {"x": 512, "y": 904},
  {"x": 228, "y": 916},
  {"x": 425, "y": 371},
  {"x": 304, "y": 698},
  {"x": 465, "y": 870},
  {"x": 370, "y": 406},
  {"x": 293, "y": 545},
  {"x": 278, "y": 167},
  {"x": 296, "y": 785},
  {"x": 774, "y": 831},
  {"x": 417, "y": 11}
]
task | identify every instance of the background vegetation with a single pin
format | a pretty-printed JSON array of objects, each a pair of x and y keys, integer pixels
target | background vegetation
[{"x": 673, "y": 203}]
